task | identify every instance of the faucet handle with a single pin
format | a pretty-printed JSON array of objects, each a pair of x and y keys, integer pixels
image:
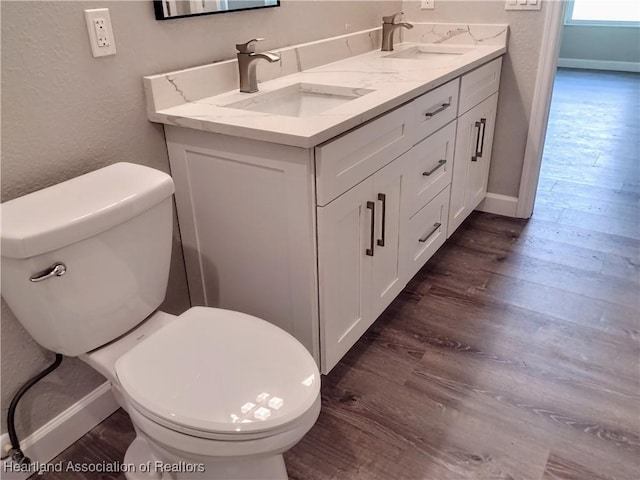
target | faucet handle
[
  {"x": 391, "y": 18},
  {"x": 249, "y": 47}
]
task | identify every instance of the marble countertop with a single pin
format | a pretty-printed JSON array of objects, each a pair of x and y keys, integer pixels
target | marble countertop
[{"x": 394, "y": 81}]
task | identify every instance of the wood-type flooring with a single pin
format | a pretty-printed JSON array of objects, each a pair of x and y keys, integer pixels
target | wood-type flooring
[{"x": 515, "y": 352}]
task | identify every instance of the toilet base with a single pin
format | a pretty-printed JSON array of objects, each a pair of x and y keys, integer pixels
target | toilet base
[
  {"x": 136, "y": 458},
  {"x": 143, "y": 464}
]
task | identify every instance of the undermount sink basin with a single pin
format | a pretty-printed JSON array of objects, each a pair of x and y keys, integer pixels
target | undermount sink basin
[
  {"x": 300, "y": 99},
  {"x": 435, "y": 54}
]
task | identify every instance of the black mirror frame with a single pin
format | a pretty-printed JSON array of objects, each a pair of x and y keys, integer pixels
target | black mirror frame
[{"x": 157, "y": 7}]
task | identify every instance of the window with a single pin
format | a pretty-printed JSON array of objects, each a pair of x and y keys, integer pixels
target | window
[{"x": 603, "y": 12}]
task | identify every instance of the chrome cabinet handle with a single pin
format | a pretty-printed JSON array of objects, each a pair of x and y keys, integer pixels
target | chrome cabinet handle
[
  {"x": 481, "y": 125},
  {"x": 371, "y": 206},
  {"x": 56, "y": 270},
  {"x": 436, "y": 226},
  {"x": 383, "y": 198},
  {"x": 435, "y": 112},
  {"x": 474, "y": 157},
  {"x": 483, "y": 121},
  {"x": 440, "y": 164}
]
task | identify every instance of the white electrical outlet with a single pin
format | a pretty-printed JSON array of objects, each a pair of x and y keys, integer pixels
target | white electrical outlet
[
  {"x": 100, "y": 32},
  {"x": 427, "y": 4}
]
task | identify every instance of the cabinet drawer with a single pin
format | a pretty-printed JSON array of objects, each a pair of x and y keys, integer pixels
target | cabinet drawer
[
  {"x": 434, "y": 110},
  {"x": 426, "y": 232},
  {"x": 352, "y": 157},
  {"x": 479, "y": 84},
  {"x": 429, "y": 167}
]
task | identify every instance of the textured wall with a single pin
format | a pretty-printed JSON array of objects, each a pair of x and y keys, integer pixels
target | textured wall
[
  {"x": 519, "y": 70},
  {"x": 615, "y": 44},
  {"x": 65, "y": 113}
]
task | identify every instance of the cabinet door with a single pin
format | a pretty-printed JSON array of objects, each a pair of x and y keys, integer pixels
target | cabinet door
[
  {"x": 474, "y": 141},
  {"x": 345, "y": 244},
  {"x": 386, "y": 279}
]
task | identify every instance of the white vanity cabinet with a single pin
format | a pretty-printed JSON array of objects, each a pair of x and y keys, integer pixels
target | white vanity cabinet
[
  {"x": 474, "y": 141},
  {"x": 472, "y": 159},
  {"x": 320, "y": 240},
  {"x": 362, "y": 263}
]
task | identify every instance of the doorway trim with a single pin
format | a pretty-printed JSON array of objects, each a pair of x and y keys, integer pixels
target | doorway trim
[{"x": 547, "y": 64}]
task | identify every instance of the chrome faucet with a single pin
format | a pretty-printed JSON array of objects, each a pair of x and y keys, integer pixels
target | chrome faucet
[
  {"x": 388, "y": 27},
  {"x": 247, "y": 64}
]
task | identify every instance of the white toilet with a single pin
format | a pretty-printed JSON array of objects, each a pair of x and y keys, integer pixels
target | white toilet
[{"x": 213, "y": 394}]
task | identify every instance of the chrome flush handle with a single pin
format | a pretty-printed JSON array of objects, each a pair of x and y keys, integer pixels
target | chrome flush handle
[{"x": 56, "y": 270}]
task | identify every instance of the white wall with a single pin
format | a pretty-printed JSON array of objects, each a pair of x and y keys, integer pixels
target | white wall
[
  {"x": 519, "y": 70},
  {"x": 65, "y": 113}
]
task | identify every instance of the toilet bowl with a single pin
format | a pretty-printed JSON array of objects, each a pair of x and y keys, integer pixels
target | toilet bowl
[
  {"x": 187, "y": 413},
  {"x": 212, "y": 393}
]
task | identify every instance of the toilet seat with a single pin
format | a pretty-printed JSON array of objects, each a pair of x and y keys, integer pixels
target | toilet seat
[{"x": 220, "y": 374}]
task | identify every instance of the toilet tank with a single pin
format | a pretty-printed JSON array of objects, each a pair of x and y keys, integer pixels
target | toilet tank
[{"x": 111, "y": 229}]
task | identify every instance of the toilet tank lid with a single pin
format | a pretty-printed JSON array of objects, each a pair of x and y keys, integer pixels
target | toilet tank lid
[{"x": 79, "y": 208}]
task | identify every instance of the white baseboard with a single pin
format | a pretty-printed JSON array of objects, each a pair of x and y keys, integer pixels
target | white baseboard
[
  {"x": 499, "y": 204},
  {"x": 54, "y": 437},
  {"x": 599, "y": 64}
]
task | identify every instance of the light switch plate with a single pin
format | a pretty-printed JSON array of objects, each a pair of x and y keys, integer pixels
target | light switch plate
[
  {"x": 100, "y": 32},
  {"x": 522, "y": 4}
]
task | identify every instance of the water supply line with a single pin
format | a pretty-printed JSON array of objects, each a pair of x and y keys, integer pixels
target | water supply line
[{"x": 16, "y": 453}]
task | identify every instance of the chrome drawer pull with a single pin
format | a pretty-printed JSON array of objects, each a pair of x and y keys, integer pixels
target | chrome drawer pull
[
  {"x": 436, "y": 226},
  {"x": 481, "y": 126},
  {"x": 435, "y": 112},
  {"x": 371, "y": 206},
  {"x": 440, "y": 163},
  {"x": 483, "y": 121},
  {"x": 55, "y": 270},
  {"x": 383, "y": 198}
]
